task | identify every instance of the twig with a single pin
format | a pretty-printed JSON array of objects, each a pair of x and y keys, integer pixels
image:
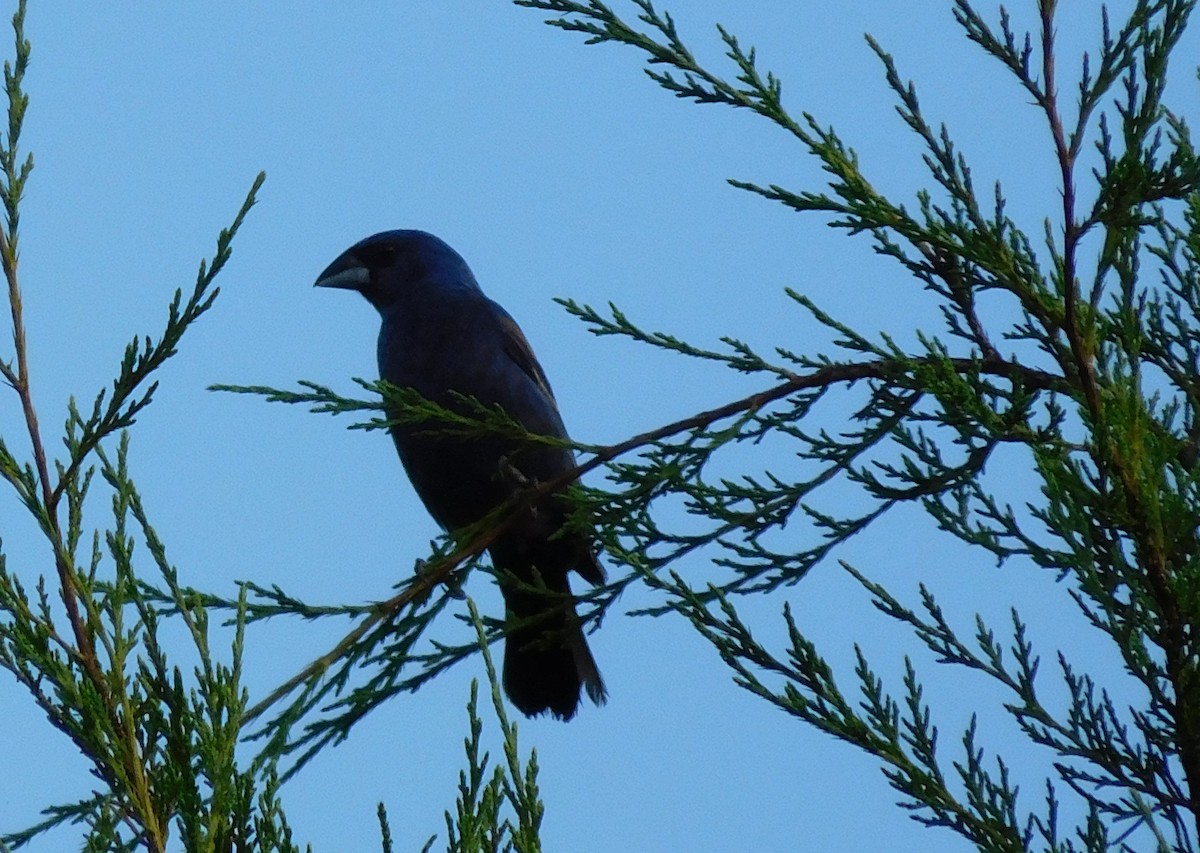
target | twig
[{"x": 440, "y": 571}]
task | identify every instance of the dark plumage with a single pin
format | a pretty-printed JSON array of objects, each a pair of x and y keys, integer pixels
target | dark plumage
[{"x": 440, "y": 334}]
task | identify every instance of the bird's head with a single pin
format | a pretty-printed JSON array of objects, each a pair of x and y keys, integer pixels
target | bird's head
[{"x": 392, "y": 267}]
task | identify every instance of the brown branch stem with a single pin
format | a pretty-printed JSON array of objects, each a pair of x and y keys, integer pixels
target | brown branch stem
[
  {"x": 68, "y": 591},
  {"x": 1081, "y": 351},
  {"x": 85, "y": 650},
  {"x": 1151, "y": 551},
  {"x": 437, "y": 573}
]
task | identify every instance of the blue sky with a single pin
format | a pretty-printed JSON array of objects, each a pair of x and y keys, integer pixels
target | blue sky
[{"x": 557, "y": 170}]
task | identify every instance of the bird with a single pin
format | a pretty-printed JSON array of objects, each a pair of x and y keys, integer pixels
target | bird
[{"x": 443, "y": 338}]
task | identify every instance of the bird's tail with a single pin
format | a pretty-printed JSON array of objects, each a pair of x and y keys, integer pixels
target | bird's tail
[{"x": 546, "y": 655}]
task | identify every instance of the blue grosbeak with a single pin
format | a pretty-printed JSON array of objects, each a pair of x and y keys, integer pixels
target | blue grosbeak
[{"x": 442, "y": 337}]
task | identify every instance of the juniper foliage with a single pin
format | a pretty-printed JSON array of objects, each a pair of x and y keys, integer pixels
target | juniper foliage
[
  {"x": 1087, "y": 375},
  {"x": 1088, "y": 371}
]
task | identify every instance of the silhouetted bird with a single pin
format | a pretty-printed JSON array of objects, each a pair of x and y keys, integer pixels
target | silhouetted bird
[{"x": 440, "y": 335}]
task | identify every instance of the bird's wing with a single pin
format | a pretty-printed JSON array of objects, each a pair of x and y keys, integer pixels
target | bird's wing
[{"x": 518, "y": 349}]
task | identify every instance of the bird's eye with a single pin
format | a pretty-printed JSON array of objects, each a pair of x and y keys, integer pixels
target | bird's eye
[{"x": 378, "y": 256}]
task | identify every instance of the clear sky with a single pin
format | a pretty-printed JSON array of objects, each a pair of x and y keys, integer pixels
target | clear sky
[{"x": 556, "y": 170}]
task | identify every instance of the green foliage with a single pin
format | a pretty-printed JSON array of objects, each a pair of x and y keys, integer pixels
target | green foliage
[
  {"x": 1095, "y": 378},
  {"x": 497, "y": 811},
  {"x": 1089, "y": 367},
  {"x": 1075, "y": 351},
  {"x": 161, "y": 740},
  {"x": 479, "y": 822}
]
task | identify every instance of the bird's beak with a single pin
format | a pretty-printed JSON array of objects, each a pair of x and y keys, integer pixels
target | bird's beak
[{"x": 347, "y": 272}]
